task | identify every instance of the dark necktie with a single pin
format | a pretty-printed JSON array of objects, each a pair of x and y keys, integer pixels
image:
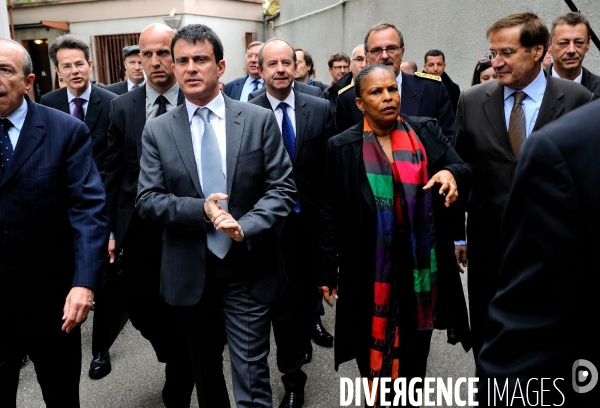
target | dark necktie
[
  {"x": 162, "y": 105},
  {"x": 6, "y": 148},
  {"x": 136, "y": 86},
  {"x": 78, "y": 112},
  {"x": 255, "y": 83},
  {"x": 289, "y": 139},
  {"x": 213, "y": 181},
  {"x": 516, "y": 123}
]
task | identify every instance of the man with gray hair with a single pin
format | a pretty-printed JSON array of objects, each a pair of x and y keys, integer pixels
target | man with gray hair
[
  {"x": 569, "y": 42},
  {"x": 240, "y": 88},
  {"x": 87, "y": 102}
]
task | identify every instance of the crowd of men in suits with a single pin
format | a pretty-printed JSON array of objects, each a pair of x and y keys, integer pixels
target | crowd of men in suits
[{"x": 209, "y": 201}]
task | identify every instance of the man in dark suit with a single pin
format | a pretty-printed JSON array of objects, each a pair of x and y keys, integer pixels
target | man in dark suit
[
  {"x": 54, "y": 227},
  {"x": 134, "y": 69},
  {"x": 138, "y": 241},
  {"x": 538, "y": 320},
  {"x": 570, "y": 41},
  {"x": 484, "y": 114},
  {"x": 87, "y": 102},
  {"x": 240, "y": 89},
  {"x": 421, "y": 94},
  {"x": 435, "y": 64},
  {"x": 215, "y": 174},
  {"x": 306, "y": 125},
  {"x": 357, "y": 62},
  {"x": 305, "y": 69}
]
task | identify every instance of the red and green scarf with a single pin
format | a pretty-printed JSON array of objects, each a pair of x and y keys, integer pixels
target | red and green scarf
[{"x": 401, "y": 204}]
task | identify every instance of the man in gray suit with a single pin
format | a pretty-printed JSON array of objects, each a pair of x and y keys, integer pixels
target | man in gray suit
[
  {"x": 215, "y": 174},
  {"x": 492, "y": 122}
]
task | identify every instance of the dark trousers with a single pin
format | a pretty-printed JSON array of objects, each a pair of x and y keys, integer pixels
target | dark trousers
[
  {"x": 292, "y": 313},
  {"x": 138, "y": 297},
  {"x": 56, "y": 356},
  {"x": 227, "y": 308}
]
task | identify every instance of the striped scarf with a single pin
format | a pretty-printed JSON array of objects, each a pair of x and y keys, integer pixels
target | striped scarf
[{"x": 401, "y": 204}]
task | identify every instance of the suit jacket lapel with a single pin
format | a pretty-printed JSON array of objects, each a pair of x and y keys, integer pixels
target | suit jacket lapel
[
  {"x": 180, "y": 129},
  {"x": 63, "y": 102},
  {"x": 137, "y": 112},
  {"x": 234, "y": 128},
  {"x": 551, "y": 106},
  {"x": 30, "y": 137},
  {"x": 494, "y": 110},
  {"x": 302, "y": 117},
  {"x": 94, "y": 109}
]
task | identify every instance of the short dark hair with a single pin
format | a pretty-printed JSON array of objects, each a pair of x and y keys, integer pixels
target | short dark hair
[
  {"x": 380, "y": 27},
  {"x": 338, "y": 56},
  {"x": 533, "y": 31},
  {"x": 571, "y": 19},
  {"x": 71, "y": 42},
  {"x": 482, "y": 65},
  {"x": 366, "y": 71},
  {"x": 308, "y": 60},
  {"x": 434, "y": 53},
  {"x": 199, "y": 33},
  {"x": 260, "y": 52}
]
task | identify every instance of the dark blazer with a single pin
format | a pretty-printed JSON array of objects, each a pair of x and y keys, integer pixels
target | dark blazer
[
  {"x": 419, "y": 97},
  {"x": 481, "y": 139},
  {"x": 234, "y": 88},
  {"x": 320, "y": 85},
  {"x": 261, "y": 194},
  {"x": 332, "y": 93},
  {"x": 298, "y": 87},
  {"x": 452, "y": 89},
  {"x": 118, "y": 88},
  {"x": 349, "y": 237},
  {"x": 96, "y": 118},
  {"x": 539, "y": 318},
  {"x": 589, "y": 80},
  {"x": 314, "y": 126},
  {"x": 127, "y": 121},
  {"x": 52, "y": 209}
]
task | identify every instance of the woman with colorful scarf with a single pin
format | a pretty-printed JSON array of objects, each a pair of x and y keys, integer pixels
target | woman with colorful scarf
[{"x": 387, "y": 226}]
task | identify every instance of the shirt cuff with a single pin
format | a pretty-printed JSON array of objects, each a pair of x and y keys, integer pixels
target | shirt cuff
[{"x": 460, "y": 243}]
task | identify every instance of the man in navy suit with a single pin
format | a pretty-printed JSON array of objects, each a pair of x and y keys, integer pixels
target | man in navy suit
[
  {"x": 421, "y": 94},
  {"x": 135, "y": 72},
  {"x": 295, "y": 314},
  {"x": 87, "y": 102},
  {"x": 240, "y": 88},
  {"x": 52, "y": 212}
]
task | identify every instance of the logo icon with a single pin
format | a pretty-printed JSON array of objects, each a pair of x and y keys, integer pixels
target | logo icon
[{"x": 585, "y": 376}]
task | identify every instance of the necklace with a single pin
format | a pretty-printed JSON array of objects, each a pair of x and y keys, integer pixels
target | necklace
[{"x": 381, "y": 140}]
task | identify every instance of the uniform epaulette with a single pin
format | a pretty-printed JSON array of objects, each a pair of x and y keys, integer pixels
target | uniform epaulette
[
  {"x": 428, "y": 76},
  {"x": 344, "y": 89}
]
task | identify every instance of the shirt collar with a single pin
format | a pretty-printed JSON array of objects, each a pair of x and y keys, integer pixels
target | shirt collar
[
  {"x": 290, "y": 100},
  {"x": 578, "y": 79},
  {"x": 17, "y": 118},
  {"x": 399, "y": 81},
  {"x": 131, "y": 84},
  {"x": 85, "y": 95},
  {"x": 535, "y": 90},
  {"x": 249, "y": 80},
  {"x": 172, "y": 94},
  {"x": 216, "y": 106}
]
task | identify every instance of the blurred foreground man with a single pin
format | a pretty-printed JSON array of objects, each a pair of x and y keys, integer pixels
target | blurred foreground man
[
  {"x": 215, "y": 174},
  {"x": 54, "y": 228},
  {"x": 492, "y": 122},
  {"x": 570, "y": 41},
  {"x": 306, "y": 124},
  {"x": 538, "y": 318}
]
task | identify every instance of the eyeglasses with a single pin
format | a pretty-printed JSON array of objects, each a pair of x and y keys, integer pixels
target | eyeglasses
[
  {"x": 359, "y": 59},
  {"x": 340, "y": 67},
  {"x": 392, "y": 50},
  {"x": 504, "y": 54},
  {"x": 250, "y": 55},
  {"x": 68, "y": 68}
]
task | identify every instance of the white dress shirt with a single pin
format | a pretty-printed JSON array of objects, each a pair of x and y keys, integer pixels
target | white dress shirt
[
  {"x": 248, "y": 88},
  {"x": 85, "y": 95}
]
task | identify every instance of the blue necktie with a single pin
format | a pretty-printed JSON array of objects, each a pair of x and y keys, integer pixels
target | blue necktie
[
  {"x": 213, "y": 181},
  {"x": 6, "y": 148},
  {"x": 289, "y": 139},
  {"x": 255, "y": 83}
]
